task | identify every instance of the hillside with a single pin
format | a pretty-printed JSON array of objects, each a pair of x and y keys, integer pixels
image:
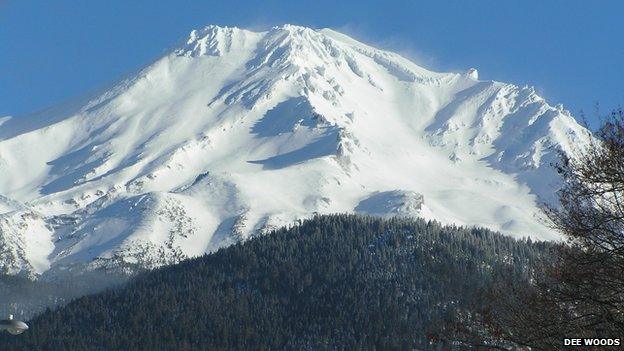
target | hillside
[{"x": 332, "y": 282}]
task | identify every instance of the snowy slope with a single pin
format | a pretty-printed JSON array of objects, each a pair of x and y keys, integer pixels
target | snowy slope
[
  {"x": 25, "y": 239},
  {"x": 237, "y": 132}
]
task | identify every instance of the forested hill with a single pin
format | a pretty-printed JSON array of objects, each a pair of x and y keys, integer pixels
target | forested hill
[{"x": 333, "y": 282}]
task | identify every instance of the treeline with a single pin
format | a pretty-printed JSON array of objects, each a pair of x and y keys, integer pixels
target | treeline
[{"x": 333, "y": 282}]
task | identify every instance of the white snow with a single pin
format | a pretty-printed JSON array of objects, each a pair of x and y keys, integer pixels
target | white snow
[{"x": 237, "y": 132}]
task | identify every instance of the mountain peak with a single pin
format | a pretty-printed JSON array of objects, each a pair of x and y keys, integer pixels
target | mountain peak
[
  {"x": 293, "y": 28},
  {"x": 238, "y": 132},
  {"x": 213, "y": 40},
  {"x": 301, "y": 46}
]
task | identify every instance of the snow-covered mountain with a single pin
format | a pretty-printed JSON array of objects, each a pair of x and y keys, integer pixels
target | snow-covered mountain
[{"x": 238, "y": 132}]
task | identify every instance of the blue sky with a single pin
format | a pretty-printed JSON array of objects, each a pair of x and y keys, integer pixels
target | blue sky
[{"x": 571, "y": 51}]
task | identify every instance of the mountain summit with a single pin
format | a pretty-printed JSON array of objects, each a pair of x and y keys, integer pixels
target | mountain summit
[{"x": 237, "y": 132}]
